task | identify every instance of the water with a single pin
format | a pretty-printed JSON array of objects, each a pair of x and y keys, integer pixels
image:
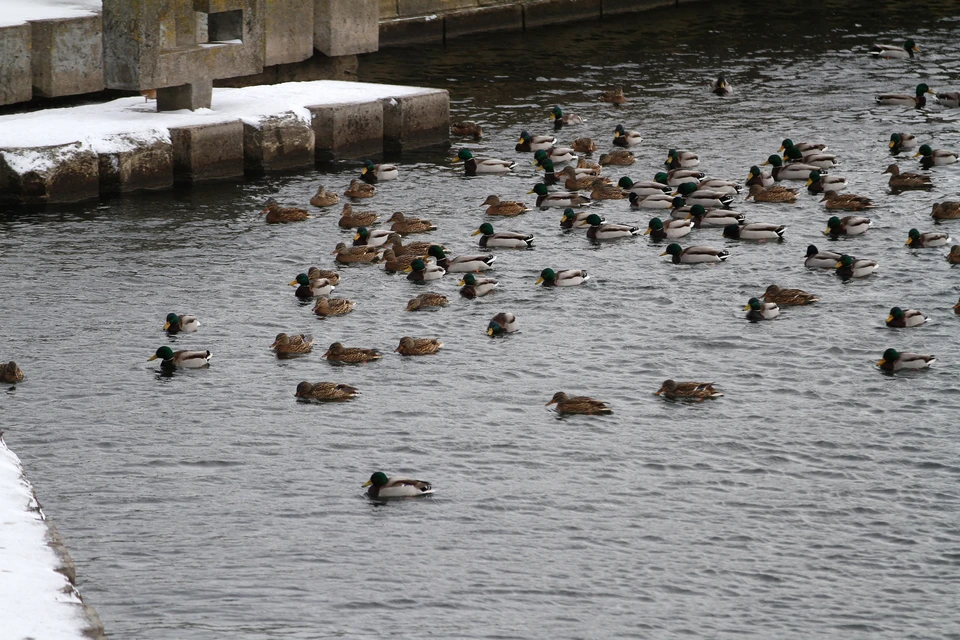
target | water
[{"x": 818, "y": 498}]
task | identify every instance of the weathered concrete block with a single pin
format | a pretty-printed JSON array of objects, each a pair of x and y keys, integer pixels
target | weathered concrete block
[
  {"x": 421, "y": 7},
  {"x": 546, "y": 12},
  {"x": 207, "y": 152},
  {"x": 388, "y": 9},
  {"x": 419, "y": 120},
  {"x": 611, "y": 7},
  {"x": 67, "y": 56},
  {"x": 496, "y": 18},
  {"x": 16, "y": 79},
  {"x": 411, "y": 31},
  {"x": 288, "y": 30},
  {"x": 47, "y": 175},
  {"x": 318, "y": 67},
  {"x": 348, "y": 130},
  {"x": 193, "y": 96},
  {"x": 346, "y": 27},
  {"x": 277, "y": 143},
  {"x": 136, "y": 162}
]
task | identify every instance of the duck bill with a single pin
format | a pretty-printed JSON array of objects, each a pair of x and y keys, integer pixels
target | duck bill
[
  {"x": 781, "y": 148},
  {"x": 489, "y": 331},
  {"x": 880, "y": 363},
  {"x": 931, "y": 91},
  {"x": 647, "y": 232},
  {"x": 455, "y": 160},
  {"x": 763, "y": 164},
  {"x": 408, "y": 269},
  {"x": 809, "y": 182},
  {"x": 478, "y": 232},
  {"x": 550, "y": 403},
  {"x": 909, "y": 241},
  {"x": 664, "y": 253},
  {"x": 838, "y": 265},
  {"x": 917, "y": 154},
  {"x": 889, "y": 319},
  {"x": 295, "y": 283},
  {"x": 364, "y": 171},
  {"x": 540, "y": 279},
  {"x": 166, "y": 326},
  {"x": 658, "y": 391},
  {"x": 892, "y": 144},
  {"x": 746, "y": 308},
  {"x": 461, "y": 284},
  {"x": 827, "y": 231},
  {"x": 356, "y": 237},
  {"x": 367, "y": 483},
  {"x": 153, "y": 357}
]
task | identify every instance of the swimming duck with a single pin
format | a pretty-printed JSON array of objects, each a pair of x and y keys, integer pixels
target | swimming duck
[
  {"x": 404, "y": 225},
  {"x": 681, "y": 159},
  {"x": 847, "y": 226},
  {"x": 759, "y": 178},
  {"x": 325, "y": 391},
  {"x": 554, "y": 154},
  {"x": 558, "y": 198},
  {"x": 720, "y": 86},
  {"x": 723, "y": 186},
  {"x": 176, "y": 323},
  {"x": 562, "y": 278},
  {"x": 502, "y": 323},
  {"x": 818, "y": 183},
  {"x": 497, "y": 207},
  {"x": 904, "y": 181},
  {"x": 371, "y": 238},
  {"x": 609, "y": 231},
  {"x": 947, "y": 210},
  {"x": 10, "y": 373},
  {"x": 355, "y": 255},
  {"x": 311, "y": 288},
  {"x": 561, "y": 119},
  {"x": 426, "y": 301},
  {"x": 699, "y": 390},
  {"x": 792, "y": 171},
  {"x": 170, "y": 359},
  {"x": 928, "y": 239},
  {"x": 846, "y": 201},
  {"x": 467, "y": 128},
  {"x": 420, "y": 271},
  {"x": 620, "y": 157},
  {"x": 417, "y": 346},
  {"x": 508, "y": 239},
  {"x": 530, "y": 143},
  {"x": 461, "y": 264},
  {"x": 902, "y": 142},
  {"x": 701, "y": 217},
  {"x": 474, "y": 287},
  {"x": 626, "y": 138},
  {"x": 415, "y": 248},
  {"x": 956, "y": 308},
  {"x": 276, "y": 214},
  {"x": 359, "y": 189},
  {"x": 954, "y": 256},
  {"x": 333, "y": 306},
  {"x": 672, "y": 229},
  {"x": 349, "y": 219},
  {"x": 574, "y": 182},
  {"x": 894, "y": 360},
  {"x": 393, "y": 263},
  {"x": 812, "y": 158},
  {"x": 788, "y": 297},
  {"x": 676, "y": 177},
  {"x": 324, "y": 198},
  {"x": 477, "y": 166},
  {"x": 380, "y": 487},
  {"x": 776, "y": 193},
  {"x": 584, "y": 145},
  {"x": 644, "y": 188},
  {"x": 573, "y": 218},
  {"x": 579, "y": 405},
  {"x": 373, "y": 173},
  {"x": 695, "y": 255},
  {"x": 754, "y": 231},
  {"x": 901, "y": 318},
  {"x": 804, "y": 147},
  {"x": 908, "y": 101},
  {"x": 692, "y": 194},
  {"x": 583, "y": 163},
  {"x": 935, "y": 157},
  {"x": 816, "y": 259},
  {"x": 350, "y": 355},
  {"x": 892, "y": 51},
  {"x": 850, "y": 267},
  {"x": 653, "y": 201},
  {"x": 601, "y": 190},
  {"x": 949, "y": 99},
  {"x": 294, "y": 344},
  {"x": 757, "y": 310},
  {"x": 614, "y": 96}
]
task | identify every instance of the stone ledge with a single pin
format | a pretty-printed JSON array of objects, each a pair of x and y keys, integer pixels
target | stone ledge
[
  {"x": 347, "y": 130},
  {"x": 424, "y": 29},
  {"x": 67, "y": 56},
  {"x": 16, "y": 76},
  {"x": 548, "y": 12},
  {"x": 277, "y": 143},
  {"x": 137, "y": 164},
  {"x": 55, "y": 174},
  {"x": 420, "y": 120},
  {"x": 206, "y": 152},
  {"x": 484, "y": 20}
]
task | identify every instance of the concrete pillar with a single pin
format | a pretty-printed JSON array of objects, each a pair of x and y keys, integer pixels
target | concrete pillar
[
  {"x": 67, "y": 56},
  {"x": 277, "y": 143},
  {"x": 207, "y": 152},
  {"x": 16, "y": 78},
  {"x": 47, "y": 175},
  {"x": 346, "y": 27},
  {"x": 347, "y": 130},
  {"x": 419, "y": 120},
  {"x": 136, "y": 162},
  {"x": 288, "y": 31},
  {"x": 192, "y": 96}
]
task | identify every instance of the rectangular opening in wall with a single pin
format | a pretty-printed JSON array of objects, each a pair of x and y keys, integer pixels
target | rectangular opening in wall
[{"x": 225, "y": 26}]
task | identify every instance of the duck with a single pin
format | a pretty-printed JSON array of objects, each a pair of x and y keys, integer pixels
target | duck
[
  {"x": 404, "y": 225},
  {"x": 892, "y": 51},
  {"x": 902, "y": 142},
  {"x": 529, "y": 143},
  {"x": 600, "y": 231},
  {"x": 904, "y": 181},
  {"x": 919, "y": 101},
  {"x": 359, "y": 190},
  {"x": 573, "y": 218},
  {"x": 393, "y": 263},
  {"x": 601, "y": 190},
  {"x": 562, "y": 277},
  {"x": 626, "y": 138},
  {"x": 420, "y": 271},
  {"x": 554, "y": 154},
  {"x": 788, "y": 297},
  {"x": 583, "y": 145},
  {"x": 467, "y": 128},
  {"x": 373, "y": 173},
  {"x": 427, "y": 300},
  {"x": 175, "y": 323},
  {"x": 325, "y": 392},
  {"x": 579, "y": 405},
  {"x": 695, "y": 254},
  {"x": 813, "y": 158},
  {"x": 759, "y": 178},
  {"x": 10, "y": 373},
  {"x": 371, "y": 238},
  {"x": 816, "y": 259},
  {"x": 350, "y": 355},
  {"x": 699, "y": 390},
  {"x": 776, "y": 193},
  {"x": 574, "y": 182},
  {"x": 558, "y": 198},
  {"x": 692, "y": 194},
  {"x": 792, "y": 171},
  {"x": 507, "y": 239},
  {"x": 681, "y": 159},
  {"x": 561, "y": 119},
  {"x": 934, "y": 157},
  {"x": 901, "y": 318},
  {"x": 818, "y": 183},
  {"x": 893, "y": 360},
  {"x": 333, "y": 306},
  {"x": 323, "y": 198},
  {"x": 850, "y": 267},
  {"x": 720, "y": 86},
  {"x": 380, "y": 487},
  {"x": 502, "y": 323},
  {"x": 956, "y": 308},
  {"x": 355, "y": 255},
  {"x": 757, "y": 310},
  {"x": 350, "y": 219},
  {"x": 948, "y": 210},
  {"x": 277, "y": 214},
  {"x": 671, "y": 230},
  {"x": 170, "y": 359},
  {"x": 307, "y": 288},
  {"x": 613, "y": 96},
  {"x": 481, "y": 166},
  {"x": 846, "y": 201},
  {"x": 474, "y": 287},
  {"x": 653, "y": 201},
  {"x": 497, "y": 207},
  {"x": 949, "y": 99},
  {"x": 295, "y": 344},
  {"x": 676, "y": 177},
  {"x": 644, "y": 188},
  {"x": 414, "y": 248},
  {"x": 954, "y": 256},
  {"x": 313, "y": 273},
  {"x": 928, "y": 239},
  {"x": 619, "y": 157},
  {"x": 701, "y": 217},
  {"x": 723, "y": 186},
  {"x": 417, "y": 346},
  {"x": 461, "y": 264},
  {"x": 804, "y": 147},
  {"x": 847, "y": 226},
  {"x": 760, "y": 231},
  {"x": 583, "y": 163}
]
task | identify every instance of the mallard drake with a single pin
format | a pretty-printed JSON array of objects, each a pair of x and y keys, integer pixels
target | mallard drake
[
  {"x": 579, "y": 405},
  {"x": 693, "y": 194},
  {"x": 350, "y": 355},
  {"x": 507, "y": 239},
  {"x": 561, "y": 119},
  {"x": 776, "y": 193},
  {"x": 393, "y": 263},
  {"x": 759, "y": 231},
  {"x": 723, "y": 186},
  {"x": 818, "y": 183},
  {"x": 371, "y": 238},
  {"x": 902, "y": 142},
  {"x": 415, "y": 248},
  {"x": 354, "y": 255},
  {"x": 427, "y": 300},
  {"x": 935, "y": 157},
  {"x": 788, "y": 297},
  {"x": 562, "y": 278},
  {"x": 672, "y": 229},
  {"x": 695, "y": 255},
  {"x": 573, "y": 218},
  {"x": 333, "y": 277},
  {"x": 558, "y": 198},
  {"x": 461, "y": 264},
  {"x": 10, "y": 373},
  {"x": 653, "y": 201},
  {"x": 947, "y": 210},
  {"x": 325, "y": 392},
  {"x": 584, "y": 145},
  {"x": 497, "y": 207},
  {"x": 954, "y": 256},
  {"x": 170, "y": 359},
  {"x": 720, "y": 86},
  {"x": 644, "y": 188},
  {"x": 277, "y": 214},
  {"x": 919, "y": 101},
  {"x": 479, "y": 166},
  {"x": 759, "y": 178},
  {"x": 614, "y": 96},
  {"x": 816, "y": 259},
  {"x": 757, "y": 310},
  {"x": 804, "y": 147},
  {"x": 846, "y": 201},
  {"x": 792, "y": 171},
  {"x": 893, "y": 360},
  {"x": 698, "y": 390},
  {"x": 529, "y": 143},
  {"x": 350, "y": 219},
  {"x": 420, "y": 271},
  {"x": 323, "y": 198},
  {"x": 404, "y": 225},
  {"x": 626, "y": 138},
  {"x": 847, "y": 226},
  {"x": 701, "y": 217},
  {"x": 467, "y": 128},
  {"x": 619, "y": 157},
  {"x": 602, "y": 190},
  {"x": 333, "y": 306},
  {"x": 307, "y": 288},
  {"x": 359, "y": 189},
  {"x": 417, "y": 346},
  {"x": 676, "y": 177},
  {"x": 554, "y": 154},
  {"x": 502, "y": 323},
  {"x": 812, "y": 158},
  {"x": 609, "y": 231},
  {"x": 373, "y": 173},
  {"x": 901, "y": 318},
  {"x": 928, "y": 239},
  {"x": 176, "y": 323},
  {"x": 681, "y": 159},
  {"x": 892, "y": 51},
  {"x": 949, "y": 99},
  {"x": 380, "y": 487},
  {"x": 850, "y": 267},
  {"x": 474, "y": 287},
  {"x": 294, "y": 344},
  {"x": 904, "y": 181},
  {"x": 574, "y": 182}
]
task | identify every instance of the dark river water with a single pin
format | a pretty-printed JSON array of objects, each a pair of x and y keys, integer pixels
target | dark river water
[{"x": 817, "y": 499}]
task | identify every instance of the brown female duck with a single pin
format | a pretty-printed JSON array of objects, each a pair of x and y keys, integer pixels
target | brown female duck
[
  {"x": 613, "y": 96},
  {"x": 584, "y": 145},
  {"x": 580, "y": 405},
  {"x": 788, "y": 297},
  {"x": 846, "y": 201},
  {"x": 467, "y": 128},
  {"x": 393, "y": 263},
  {"x": 417, "y": 346},
  {"x": 619, "y": 157},
  {"x": 359, "y": 189},
  {"x": 324, "y": 198},
  {"x": 775, "y": 193},
  {"x": 292, "y": 344},
  {"x": 10, "y": 373},
  {"x": 350, "y": 219},
  {"x": 404, "y": 225},
  {"x": 325, "y": 391},
  {"x": 351, "y": 355},
  {"x": 697, "y": 390},
  {"x": 276, "y": 214},
  {"x": 355, "y": 255},
  {"x": 326, "y": 306},
  {"x": 427, "y": 300},
  {"x": 904, "y": 181},
  {"x": 497, "y": 207},
  {"x": 948, "y": 210},
  {"x": 333, "y": 277}
]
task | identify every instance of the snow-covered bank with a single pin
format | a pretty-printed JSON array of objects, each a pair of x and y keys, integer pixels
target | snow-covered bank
[
  {"x": 20, "y": 11},
  {"x": 36, "y": 600}
]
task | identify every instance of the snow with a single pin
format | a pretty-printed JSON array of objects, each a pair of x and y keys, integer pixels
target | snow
[
  {"x": 35, "y": 601},
  {"x": 16, "y": 12}
]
